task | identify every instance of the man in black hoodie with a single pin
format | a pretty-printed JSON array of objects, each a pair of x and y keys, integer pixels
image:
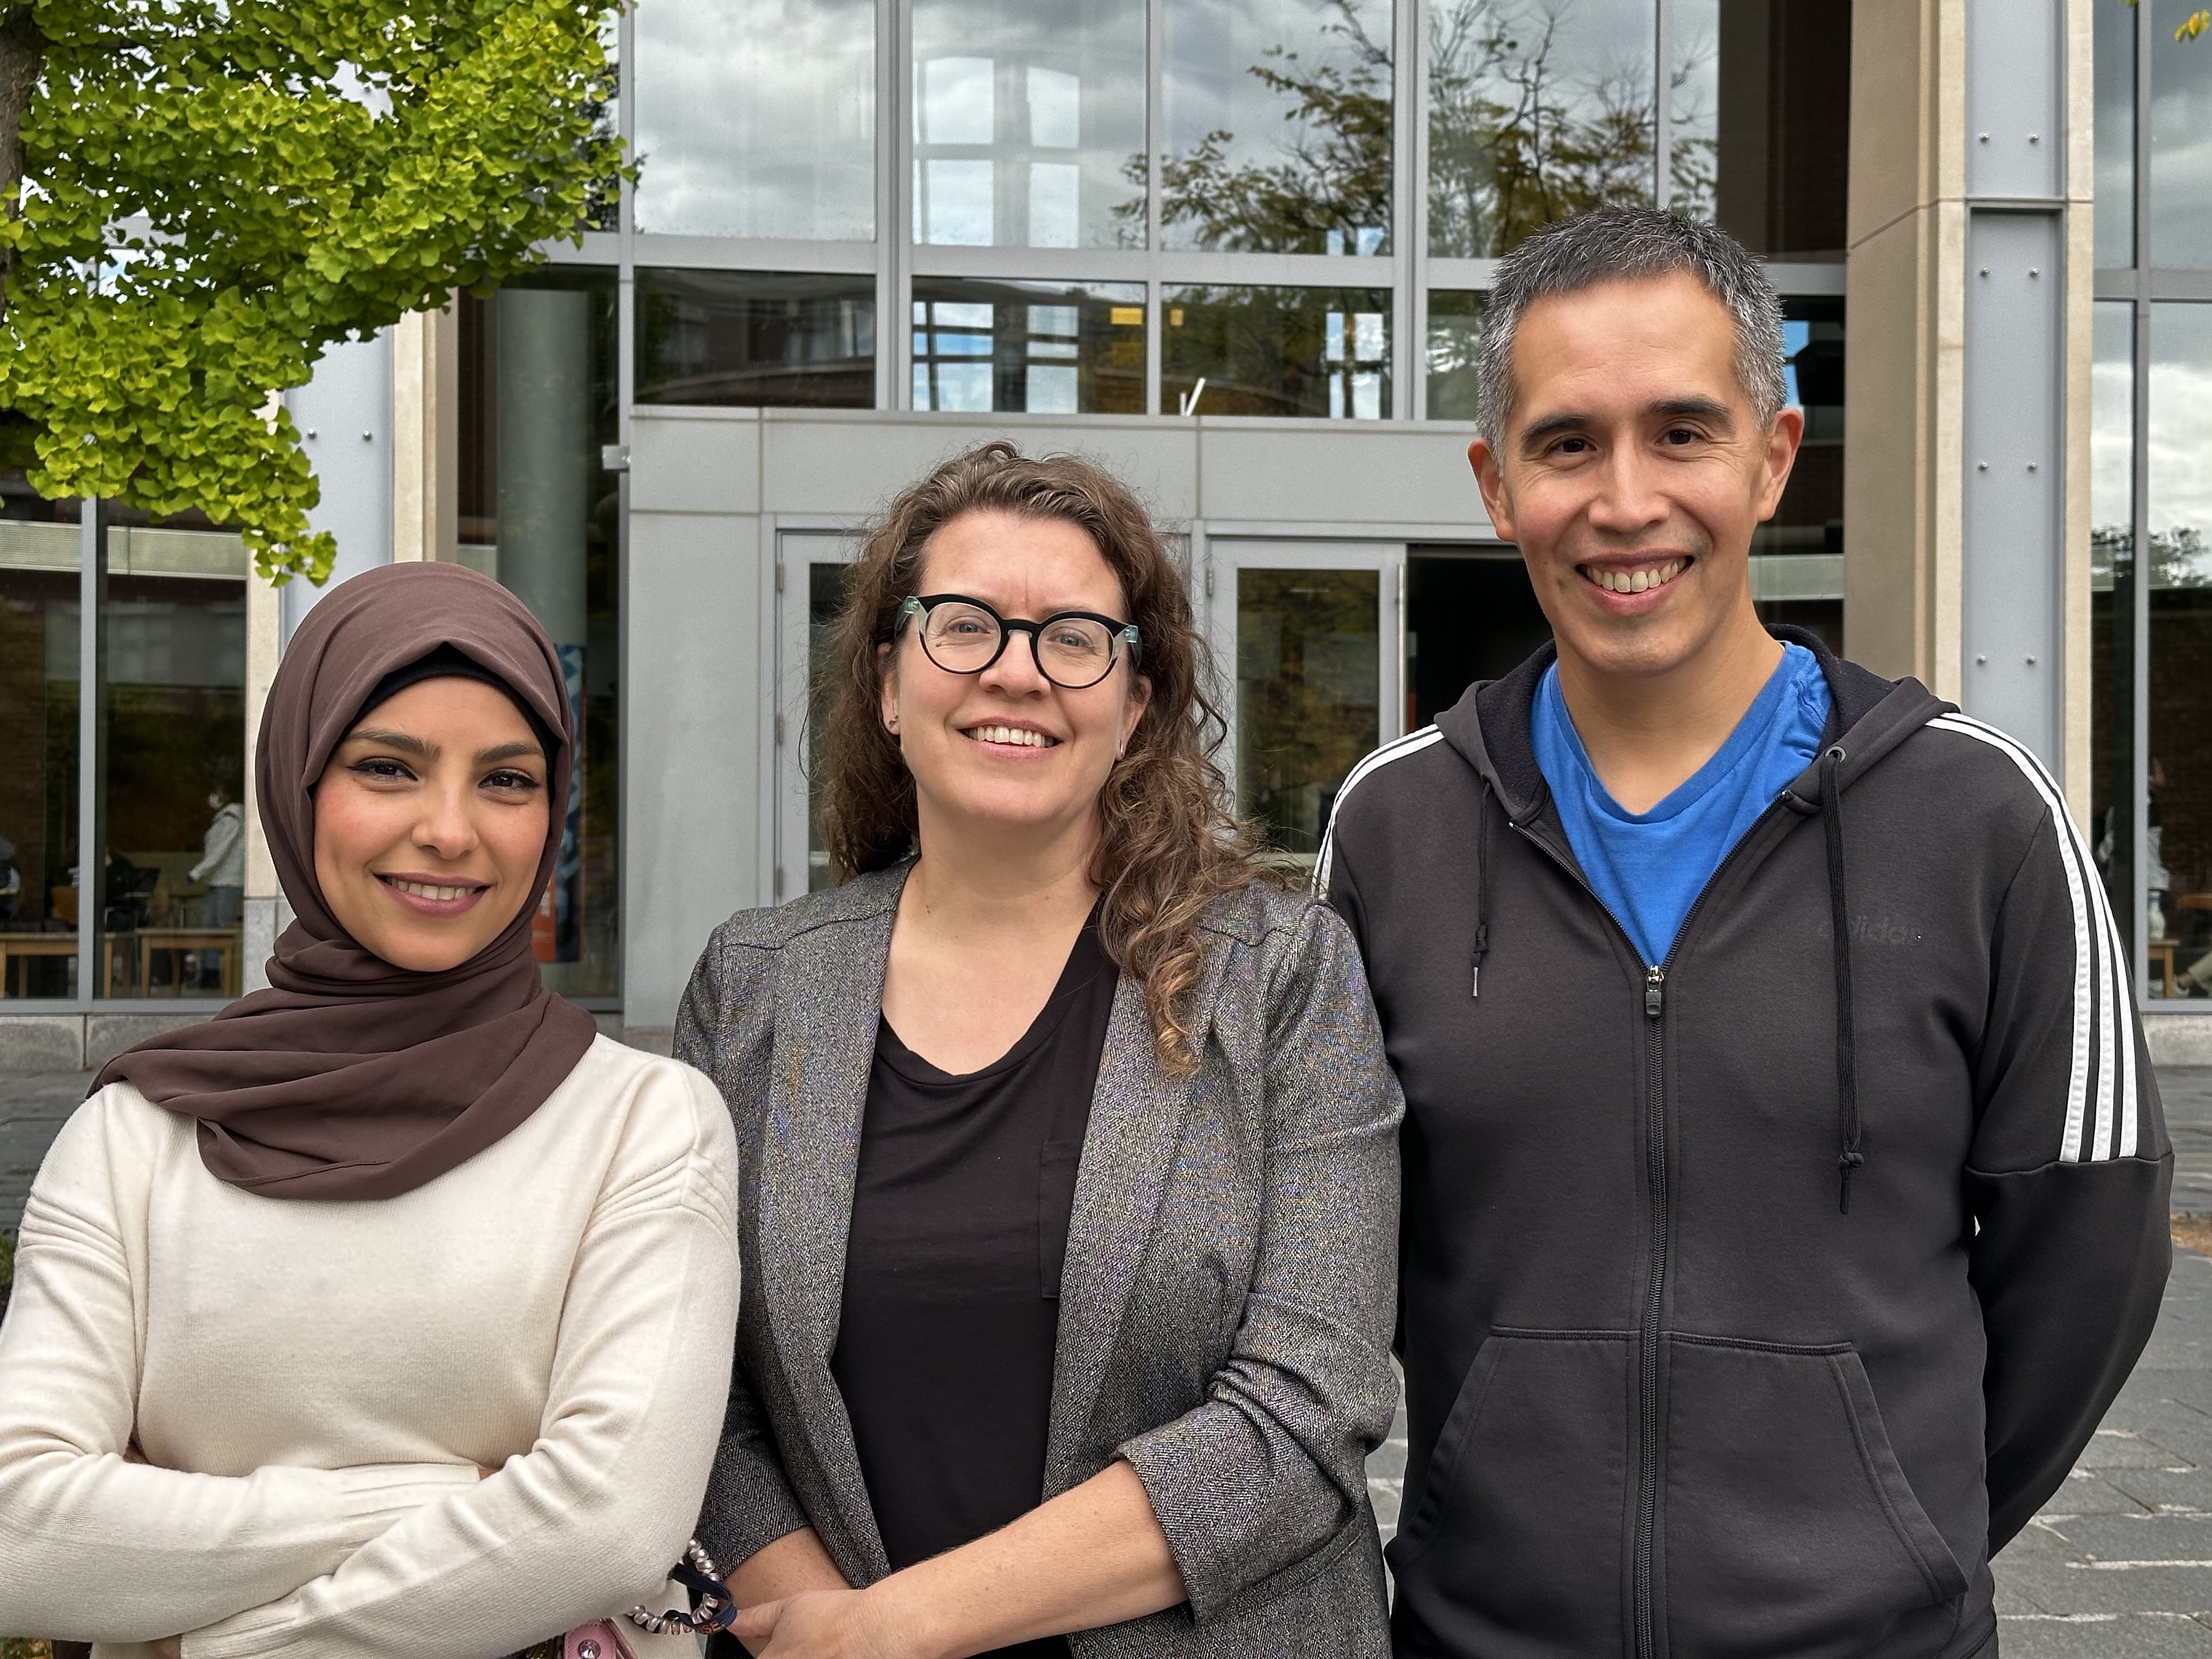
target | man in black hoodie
[{"x": 1784, "y": 1177}]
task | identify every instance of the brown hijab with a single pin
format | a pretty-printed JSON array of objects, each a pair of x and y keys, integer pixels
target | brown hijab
[{"x": 351, "y": 1078}]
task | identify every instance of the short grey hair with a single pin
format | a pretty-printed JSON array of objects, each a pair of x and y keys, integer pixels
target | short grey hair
[{"x": 1612, "y": 244}]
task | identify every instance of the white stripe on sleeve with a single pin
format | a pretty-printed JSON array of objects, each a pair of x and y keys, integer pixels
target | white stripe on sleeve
[
  {"x": 2105, "y": 1126},
  {"x": 1397, "y": 749}
]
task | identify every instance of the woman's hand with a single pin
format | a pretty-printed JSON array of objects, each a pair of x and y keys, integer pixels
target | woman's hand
[
  {"x": 843, "y": 1624},
  {"x": 169, "y": 1647}
]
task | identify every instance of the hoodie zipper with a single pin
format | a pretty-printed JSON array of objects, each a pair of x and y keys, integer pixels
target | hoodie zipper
[{"x": 1655, "y": 1140}]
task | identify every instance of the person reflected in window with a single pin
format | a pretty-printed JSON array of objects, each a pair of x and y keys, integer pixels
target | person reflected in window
[
  {"x": 385, "y": 1313},
  {"x": 1069, "y": 1145},
  {"x": 11, "y": 883},
  {"x": 222, "y": 867},
  {"x": 222, "y": 859}
]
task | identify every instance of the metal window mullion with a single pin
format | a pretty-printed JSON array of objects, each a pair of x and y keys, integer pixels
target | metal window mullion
[
  {"x": 2139, "y": 132},
  {"x": 91, "y": 752},
  {"x": 2138, "y": 688},
  {"x": 625, "y": 233},
  {"x": 1407, "y": 230},
  {"x": 894, "y": 163},
  {"x": 1155, "y": 143},
  {"x": 1662, "y": 106}
]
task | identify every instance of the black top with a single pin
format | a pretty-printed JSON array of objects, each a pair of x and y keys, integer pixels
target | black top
[{"x": 960, "y": 1214}]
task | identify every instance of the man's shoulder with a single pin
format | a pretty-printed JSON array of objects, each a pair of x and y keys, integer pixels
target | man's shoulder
[
  {"x": 1964, "y": 776},
  {"x": 1415, "y": 791},
  {"x": 1418, "y": 769}
]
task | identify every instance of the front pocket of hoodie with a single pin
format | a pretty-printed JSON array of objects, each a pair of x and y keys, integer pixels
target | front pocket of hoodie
[
  {"x": 1513, "y": 1543},
  {"x": 1789, "y": 1525}
]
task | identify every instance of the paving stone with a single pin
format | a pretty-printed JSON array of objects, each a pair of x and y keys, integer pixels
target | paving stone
[
  {"x": 2165, "y": 1492},
  {"x": 2182, "y": 1430},
  {"x": 2088, "y": 1493},
  {"x": 2192, "y": 1388},
  {"x": 2136, "y": 1538},
  {"x": 2127, "y": 1449},
  {"x": 2013, "y": 1600},
  {"x": 2076, "y": 1587},
  {"x": 2102, "y": 1636}
]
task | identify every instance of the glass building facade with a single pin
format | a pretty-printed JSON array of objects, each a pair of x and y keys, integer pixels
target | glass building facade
[
  {"x": 2151, "y": 511},
  {"x": 123, "y": 697},
  {"x": 917, "y": 223},
  {"x": 1300, "y": 199}
]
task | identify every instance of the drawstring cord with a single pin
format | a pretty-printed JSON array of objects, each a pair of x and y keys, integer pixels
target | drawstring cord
[
  {"x": 1847, "y": 1082},
  {"x": 1483, "y": 849}
]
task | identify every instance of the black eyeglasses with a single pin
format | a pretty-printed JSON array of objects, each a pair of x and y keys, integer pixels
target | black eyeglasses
[{"x": 1074, "y": 649}]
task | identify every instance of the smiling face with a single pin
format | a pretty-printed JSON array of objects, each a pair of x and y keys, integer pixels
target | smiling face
[
  {"x": 1632, "y": 471},
  {"x": 430, "y": 819},
  {"x": 1006, "y": 749}
]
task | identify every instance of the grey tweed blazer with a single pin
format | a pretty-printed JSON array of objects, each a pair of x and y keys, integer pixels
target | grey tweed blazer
[{"x": 1230, "y": 1282}]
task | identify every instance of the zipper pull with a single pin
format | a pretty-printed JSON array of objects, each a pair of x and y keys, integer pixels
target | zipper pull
[{"x": 1654, "y": 992}]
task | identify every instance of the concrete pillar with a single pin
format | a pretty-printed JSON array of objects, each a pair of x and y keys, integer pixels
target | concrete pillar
[
  {"x": 1966, "y": 453},
  {"x": 546, "y": 455},
  {"x": 546, "y": 470},
  {"x": 425, "y": 396},
  {"x": 265, "y": 914},
  {"x": 344, "y": 418}
]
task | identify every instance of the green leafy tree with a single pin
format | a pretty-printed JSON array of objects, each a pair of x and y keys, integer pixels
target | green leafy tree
[{"x": 204, "y": 194}]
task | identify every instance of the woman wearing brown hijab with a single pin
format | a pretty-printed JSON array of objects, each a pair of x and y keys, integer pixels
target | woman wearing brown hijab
[{"x": 388, "y": 1312}]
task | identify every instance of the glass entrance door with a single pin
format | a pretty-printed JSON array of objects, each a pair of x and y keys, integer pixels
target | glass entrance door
[
  {"x": 810, "y": 589},
  {"x": 1313, "y": 630}
]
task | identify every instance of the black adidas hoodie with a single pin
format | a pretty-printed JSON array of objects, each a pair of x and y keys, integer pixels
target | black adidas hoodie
[{"x": 1667, "y": 1395}]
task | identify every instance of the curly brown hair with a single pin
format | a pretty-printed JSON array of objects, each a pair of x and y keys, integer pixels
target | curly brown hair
[{"x": 1169, "y": 843}]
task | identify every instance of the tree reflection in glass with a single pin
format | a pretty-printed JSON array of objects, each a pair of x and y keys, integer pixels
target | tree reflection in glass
[
  {"x": 1279, "y": 121},
  {"x": 1309, "y": 699},
  {"x": 1538, "y": 109}
]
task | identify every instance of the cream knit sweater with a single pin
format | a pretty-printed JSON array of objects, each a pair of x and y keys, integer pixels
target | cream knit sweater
[{"x": 313, "y": 1384}]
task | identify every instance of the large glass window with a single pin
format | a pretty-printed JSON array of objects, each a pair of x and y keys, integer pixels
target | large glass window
[
  {"x": 1315, "y": 352},
  {"x": 2115, "y": 60},
  {"x": 756, "y": 118},
  {"x": 1279, "y": 120},
  {"x": 1797, "y": 555},
  {"x": 2180, "y": 142},
  {"x": 39, "y": 613},
  {"x": 1537, "y": 109},
  {"x": 744, "y": 337},
  {"x": 539, "y": 512},
  {"x": 1029, "y": 123},
  {"x": 2178, "y": 868},
  {"x": 1761, "y": 119},
  {"x": 2112, "y": 602},
  {"x": 1455, "y": 355},
  {"x": 171, "y": 683},
  {"x": 1040, "y": 347},
  {"x": 1308, "y": 654}
]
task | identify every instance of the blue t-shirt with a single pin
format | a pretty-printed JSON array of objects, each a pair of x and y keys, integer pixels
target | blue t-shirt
[{"x": 1648, "y": 867}]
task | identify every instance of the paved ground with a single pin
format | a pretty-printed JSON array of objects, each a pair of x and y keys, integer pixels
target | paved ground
[{"x": 2118, "y": 1566}]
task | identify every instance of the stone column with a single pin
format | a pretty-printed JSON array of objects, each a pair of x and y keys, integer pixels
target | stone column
[{"x": 1966, "y": 454}]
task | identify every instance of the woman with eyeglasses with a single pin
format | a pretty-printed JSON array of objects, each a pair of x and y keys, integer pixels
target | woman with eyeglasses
[{"x": 1069, "y": 1149}]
